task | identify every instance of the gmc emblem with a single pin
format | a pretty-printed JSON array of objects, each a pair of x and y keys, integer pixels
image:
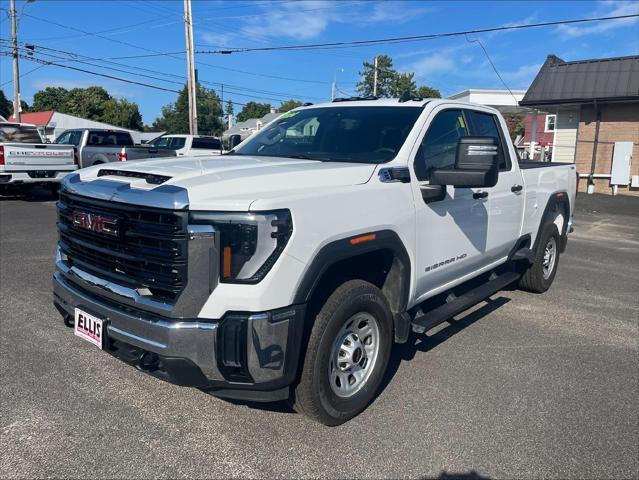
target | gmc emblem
[{"x": 95, "y": 223}]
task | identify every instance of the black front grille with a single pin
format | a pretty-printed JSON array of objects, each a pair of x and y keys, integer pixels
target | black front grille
[{"x": 148, "y": 252}]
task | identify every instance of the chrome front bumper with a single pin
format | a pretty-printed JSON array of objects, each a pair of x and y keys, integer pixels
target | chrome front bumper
[{"x": 242, "y": 352}]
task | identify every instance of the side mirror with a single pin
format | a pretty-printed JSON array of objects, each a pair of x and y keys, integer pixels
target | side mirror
[
  {"x": 476, "y": 165},
  {"x": 234, "y": 141}
]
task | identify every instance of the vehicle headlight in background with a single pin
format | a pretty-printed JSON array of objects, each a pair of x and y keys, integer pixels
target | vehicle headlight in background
[{"x": 250, "y": 243}]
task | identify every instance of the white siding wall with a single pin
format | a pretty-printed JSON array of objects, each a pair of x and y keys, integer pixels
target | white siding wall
[{"x": 565, "y": 136}]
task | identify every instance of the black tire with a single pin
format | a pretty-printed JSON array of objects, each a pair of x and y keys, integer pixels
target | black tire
[
  {"x": 534, "y": 278},
  {"x": 314, "y": 396}
]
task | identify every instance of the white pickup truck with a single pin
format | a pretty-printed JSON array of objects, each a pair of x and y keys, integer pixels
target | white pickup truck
[
  {"x": 289, "y": 268},
  {"x": 190, "y": 145},
  {"x": 26, "y": 160}
]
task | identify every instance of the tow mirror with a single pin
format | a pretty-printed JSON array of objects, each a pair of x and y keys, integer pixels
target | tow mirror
[
  {"x": 234, "y": 141},
  {"x": 476, "y": 165}
]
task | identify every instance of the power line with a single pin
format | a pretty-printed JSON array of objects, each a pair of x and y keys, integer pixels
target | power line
[
  {"x": 171, "y": 55},
  {"x": 494, "y": 67},
  {"x": 82, "y": 59},
  {"x": 112, "y": 77},
  {"x": 380, "y": 41},
  {"x": 413, "y": 38},
  {"x": 45, "y": 62}
]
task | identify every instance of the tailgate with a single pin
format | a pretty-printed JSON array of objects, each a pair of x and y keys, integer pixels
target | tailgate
[{"x": 24, "y": 156}]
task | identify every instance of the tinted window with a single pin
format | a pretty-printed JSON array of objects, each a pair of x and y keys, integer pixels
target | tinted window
[
  {"x": 439, "y": 145},
  {"x": 206, "y": 143},
  {"x": 19, "y": 134},
  {"x": 335, "y": 134},
  {"x": 70, "y": 137},
  {"x": 170, "y": 142},
  {"x": 485, "y": 125},
  {"x": 109, "y": 138}
]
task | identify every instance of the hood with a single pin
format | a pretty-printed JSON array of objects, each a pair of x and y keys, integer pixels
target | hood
[{"x": 234, "y": 182}]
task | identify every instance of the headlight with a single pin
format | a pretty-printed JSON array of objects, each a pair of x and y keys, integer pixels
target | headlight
[{"x": 250, "y": 243}]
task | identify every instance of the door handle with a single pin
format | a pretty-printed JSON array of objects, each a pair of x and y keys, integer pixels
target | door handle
[
  {"x": 480, "y": 195},
  {"x": 516, "y": 188}
]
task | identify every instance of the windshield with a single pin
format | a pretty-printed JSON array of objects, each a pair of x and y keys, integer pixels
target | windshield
[
  {"x": 335, "y": 134},
  {"x": 19, "y": 134}
]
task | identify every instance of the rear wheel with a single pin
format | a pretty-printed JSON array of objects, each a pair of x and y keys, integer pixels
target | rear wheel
[
  {"x": 347, "y": 355},
  {"x": 540, "y": 274}
]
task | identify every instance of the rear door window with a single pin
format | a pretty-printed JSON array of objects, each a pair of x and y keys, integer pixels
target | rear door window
[{"x": 206, "y": 143}]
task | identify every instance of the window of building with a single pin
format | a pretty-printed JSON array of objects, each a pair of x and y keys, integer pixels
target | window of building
[{"x": 550, "y": 123}]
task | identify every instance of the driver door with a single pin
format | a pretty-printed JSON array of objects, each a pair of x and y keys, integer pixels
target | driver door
[{"x": 451, "y": 230}]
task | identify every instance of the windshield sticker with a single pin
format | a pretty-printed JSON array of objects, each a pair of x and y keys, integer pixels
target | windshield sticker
[
  {"x": 289, "y": 115},
  {"x": 462, "y": 124}
]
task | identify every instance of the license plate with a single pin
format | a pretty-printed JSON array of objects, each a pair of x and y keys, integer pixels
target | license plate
[{"x": 89, "y": 327}]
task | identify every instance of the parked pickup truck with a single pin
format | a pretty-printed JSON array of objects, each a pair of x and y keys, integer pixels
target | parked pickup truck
[
  {"x": 26, "y": 160},
  {"x": 96, "y": 146},
  {"x": 289, "y": 268},
  {"x": 190, "y": 145}
]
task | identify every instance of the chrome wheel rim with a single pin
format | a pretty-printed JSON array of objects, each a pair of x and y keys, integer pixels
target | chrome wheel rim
[
  {"x": 550, "y": 257},
  {"x": 354, "y": 354}
]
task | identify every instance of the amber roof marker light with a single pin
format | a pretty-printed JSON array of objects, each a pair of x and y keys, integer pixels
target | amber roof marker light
[{"x": 363, "y": 238}]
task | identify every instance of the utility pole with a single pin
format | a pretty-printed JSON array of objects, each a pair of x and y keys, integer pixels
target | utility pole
[
  {"x": 375, "y": 79},
  {"x": 16, "y": 70},
  {"x": 190, "y": 65}
]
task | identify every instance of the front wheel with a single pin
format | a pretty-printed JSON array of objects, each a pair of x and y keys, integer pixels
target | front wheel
[
  {"x": 540, "y": 274},
  {"x": 347, "y": 354}
]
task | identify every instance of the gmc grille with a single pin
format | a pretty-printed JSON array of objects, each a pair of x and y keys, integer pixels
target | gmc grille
[{"x": 149, "y": 253}]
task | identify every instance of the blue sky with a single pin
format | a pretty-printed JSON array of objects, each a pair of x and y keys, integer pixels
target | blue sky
[{"x": 451, "y": 65}]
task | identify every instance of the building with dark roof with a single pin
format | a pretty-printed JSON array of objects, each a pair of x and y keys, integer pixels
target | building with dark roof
[{"x": 593, "y": 110}]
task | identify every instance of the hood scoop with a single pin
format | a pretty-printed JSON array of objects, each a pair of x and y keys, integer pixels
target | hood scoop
[{"x": 151, "y": 178}]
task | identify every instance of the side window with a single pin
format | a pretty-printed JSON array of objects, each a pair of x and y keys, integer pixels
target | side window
[
  {"x": 64, "y": 139},
  {"x": 206, "y": 143},
  {"x": 486, "y": 125},
  {"x": 439, "y": 145}
]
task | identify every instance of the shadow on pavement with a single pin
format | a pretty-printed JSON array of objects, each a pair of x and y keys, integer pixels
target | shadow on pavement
[{"x": 424, "y": 343}]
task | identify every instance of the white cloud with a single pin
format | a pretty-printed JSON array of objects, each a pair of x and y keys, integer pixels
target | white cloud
[
  {"x": 606, "y": 9},
  {"x": 394, "y": 12},
  {"x": 521, "y": 77},
  {"x": 298, "y": 20}
]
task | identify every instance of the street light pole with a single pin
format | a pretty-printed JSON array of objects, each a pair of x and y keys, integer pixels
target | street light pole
[
  {"x": 16, "y": 69},
  {"x": 191, "y": 83}
]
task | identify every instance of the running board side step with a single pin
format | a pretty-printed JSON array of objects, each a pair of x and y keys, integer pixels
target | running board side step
[{"x": 425, "y": 321}]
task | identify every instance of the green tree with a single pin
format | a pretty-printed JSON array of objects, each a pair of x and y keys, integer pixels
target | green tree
[
  {"x": 428, "y": 92},
  {"x": 123, "y": 114},
  {"x": 174, "y": 117},
  {"x": 51, "y": 98},
  {"x": 253, "y": 110},
  {"x": 390, "y": 82},
  {"x": 289, "y": 105},
  {"x": 385, "y": 77},
  {"x": 93, "y": 103},
  {"x": 403, "y": 82},
  {"x": 6, "y": 107}
]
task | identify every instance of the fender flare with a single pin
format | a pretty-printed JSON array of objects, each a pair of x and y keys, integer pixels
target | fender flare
[
  {"x": 343, "y": 249},
  {"x": 557, "y": 199}
]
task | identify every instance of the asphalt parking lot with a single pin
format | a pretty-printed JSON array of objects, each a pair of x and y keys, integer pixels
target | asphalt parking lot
[{"x": 526, "y": 386}]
